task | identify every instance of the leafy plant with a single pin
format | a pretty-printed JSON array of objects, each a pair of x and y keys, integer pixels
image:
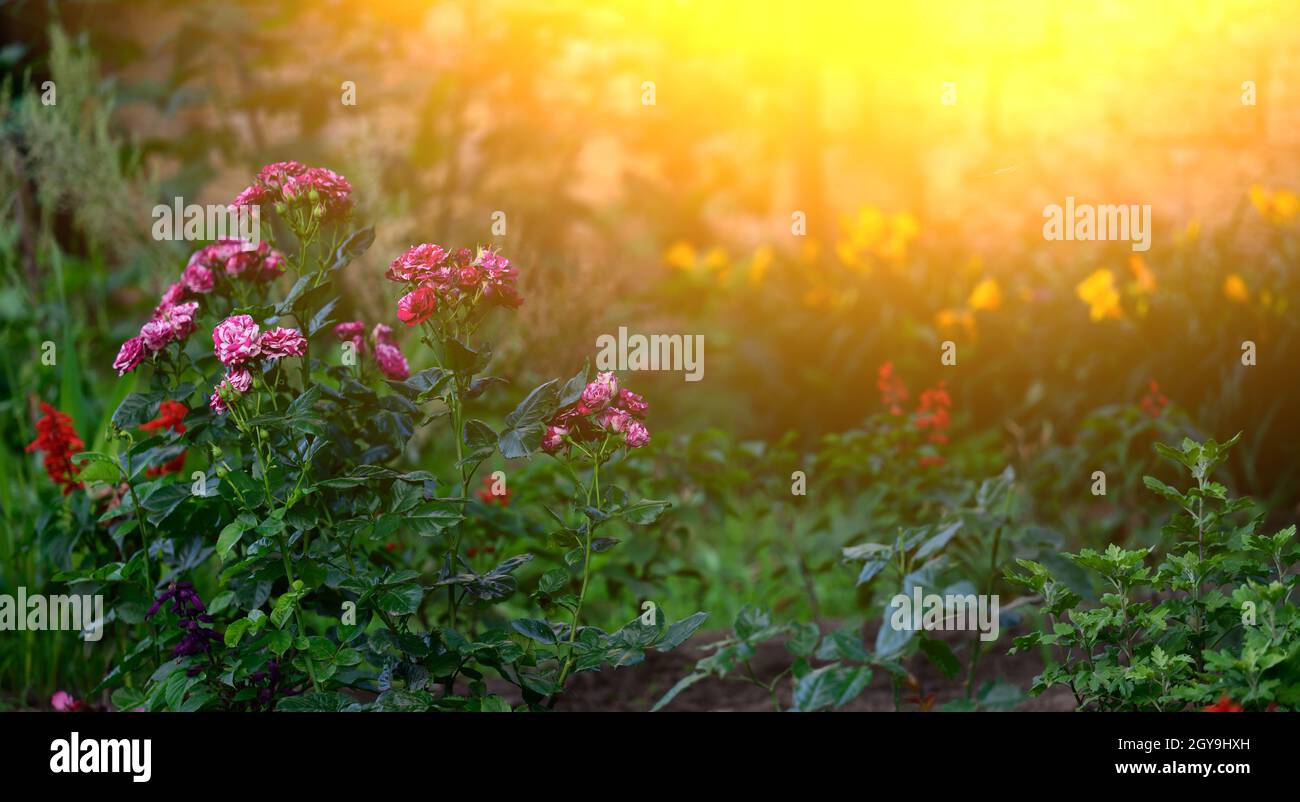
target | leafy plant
[{"x": 1211, "y": 618}]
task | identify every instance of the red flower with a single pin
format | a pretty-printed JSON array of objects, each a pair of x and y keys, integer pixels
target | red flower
[
  {"x": 1154, "y": 402},
  {"x": 932, "y": 413},
  {"x": 418, "y": 306},
  {"x": 892, "y": 390},
  {"x": 56, "y": 437},
  {"x": 171, "y": 415},
  {"x": 1224, "y": 705},
  {"x": 486, "y": 495}
]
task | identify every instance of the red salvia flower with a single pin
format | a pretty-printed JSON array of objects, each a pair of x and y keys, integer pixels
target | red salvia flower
[
  {"x": 486, "y": 495},
  {"x": 1224, "y": 705},
  {"x": 1154, "y": 402},
  {"x": 932, "y": 413},
  {"x": 892, "y": 390},
  {"x": 171, "y": 415},
  {"x": 56, "y": 437}
]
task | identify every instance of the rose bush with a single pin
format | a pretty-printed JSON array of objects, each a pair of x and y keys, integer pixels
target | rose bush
[{"x": 345, "y": 580}]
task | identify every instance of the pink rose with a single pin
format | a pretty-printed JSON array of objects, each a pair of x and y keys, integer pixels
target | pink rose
[
  {"x": 350, "y": 330},
  {"x": 419, "y": 263},
  {"x": 553, "y": 439},
  {"x": 332, "y": 191},
  {"x": 274, "y": 175},
  {"x": 636, "y": 435},
  {"x": 383, "y": 334},
  {"x": 598, "y": 393},
  {"x": 392, "y": 362},
  {"x": 239, "y": 378},
  {"x": 235, "y": 340},
  {"x": 174, "y": 295},
  {"x": 417, "y": 306},
  {"x": 468, "y": 276},
  {"x": 633, "y": 403},
  {"x": 198, "y": 279},
  {"x": 282, "y": 342},
  {"x": 252, "y": 196},
  {"x": 129, "y": 355},
  {"x": 156, "y": 334},
  {"x": 181, "y": 318},
  {"x": 613, "y": 419},
  {"x": 216, "y": 402}
]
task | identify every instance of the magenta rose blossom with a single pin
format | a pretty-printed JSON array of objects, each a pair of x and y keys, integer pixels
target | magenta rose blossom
[
  {"x": 417, "y": 306},
  {"x": 198, "y": 279},
  {"x": 129, "y": 356},
  {"x": 383, "y": 334},
  {"x": 252, "y": 196},
  {"x": 350, "y": 330},
  {"x": 156, "y": 334},
  {"x": 235, "y": 340},
  {"x": 239, "y": 378},
  {"x": 614, "y": 419},
  {"x": 633, "y": 403},
  {"x": 181, "y": 318},
  {"x": 275, "y": 175},
  {"x": 216, "y": 403},
  {"x": 636, "y": 435},
  {"x": 598, "y": 393},
  {"x": 392, "y": 362},
  {"x": 553, "y": 438},
  {"x": 419, "y": 263},
  {"x": 282, "y": 342},
  {"x": 332, "y": 191}
]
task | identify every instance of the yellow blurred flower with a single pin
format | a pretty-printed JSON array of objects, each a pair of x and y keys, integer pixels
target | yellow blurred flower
[
  {"x": 1099, "y": 293},
  {"x": 1275, "y": 206},
  {"x": 716, "y": 258},
  {"x": 681, "y": 256},
  {"x": 1234, "y": 289},
  {"x": 952, "y": 319},
  {"x": 986, "y": 297},
  {"x": 871, "y": 234}
]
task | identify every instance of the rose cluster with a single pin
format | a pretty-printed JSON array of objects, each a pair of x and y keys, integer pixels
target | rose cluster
[
  {"x": 235, "y": 258},
  {"x": 603, "y": 409},
  {"x": 56, "y": 437},
  {"x": 173, "y": 317},
  {"x": 189, "y": 608},
  {"x": 173, "y": 320},
  {"x": 324, "y": 192},
  {"x": 388, "y": 355},
  {"x": 437, "y": 277},
  {"x": 240, "y": 344}
]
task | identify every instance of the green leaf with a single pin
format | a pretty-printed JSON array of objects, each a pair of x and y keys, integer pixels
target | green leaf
[
  {"x": 679, "y": 632},
  {"x": 833, "y": 685},
  {"x": 135, "y": 409},
  {"x": 941, "y": 656},
  {"x": 533, "y": 629},
  {"x": 230, "y": 536},
  {"x": 432, "y": 517},
  {"x": 357, "y": 243}
]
